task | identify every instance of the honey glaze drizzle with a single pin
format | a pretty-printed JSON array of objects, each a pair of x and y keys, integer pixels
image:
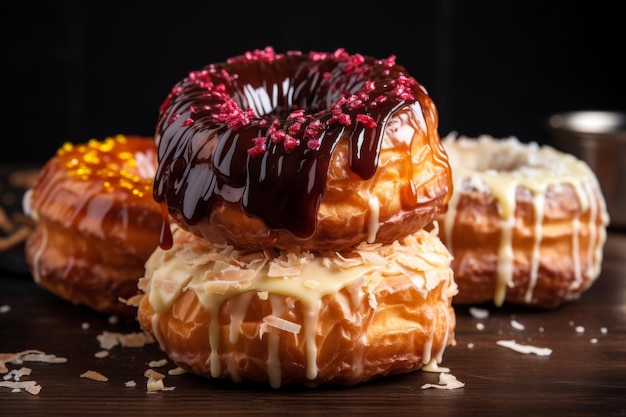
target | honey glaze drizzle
[
  {"x": 480, "y": 164},
  {"x": 222, "y": 136},
  {"x": 117, "y": 167},
  {"x": 195, "y": 266}
]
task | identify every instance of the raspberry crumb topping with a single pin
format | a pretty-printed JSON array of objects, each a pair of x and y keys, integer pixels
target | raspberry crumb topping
[
  {"x": 376, "y": 83},
  {"x": 253, "y": 129}
]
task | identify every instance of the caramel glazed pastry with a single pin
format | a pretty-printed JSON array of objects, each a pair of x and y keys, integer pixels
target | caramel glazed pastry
[
  {"x": 96, "y": 222},
  {"x": 298, "y": 187},
  {"x": 526, "y": 223}
]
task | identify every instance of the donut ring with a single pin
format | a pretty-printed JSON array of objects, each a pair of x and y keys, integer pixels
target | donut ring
[
  {"x": 526, "y": 224},
  {"x": 96, "y": 221},
  {"x": 320, "y": 151},
  {"x": 298, "y": 317}
]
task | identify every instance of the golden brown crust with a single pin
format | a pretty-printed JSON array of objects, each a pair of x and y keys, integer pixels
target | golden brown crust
[
  {"x": 369, "y": 328},
  {"x": 84, "y": 270},
  {"x": 556, "y": 239},
  {"x": 96, "y": 222},
  {"x": 411, "y": 186}
]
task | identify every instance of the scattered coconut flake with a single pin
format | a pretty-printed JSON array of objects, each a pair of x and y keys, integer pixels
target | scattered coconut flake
[
  {"x": 42, "y": 357},
  {"x": 177, "y": 371},
  {"x": 154, "y": 385},
  {"x": 541, "y": 330},
  {"x": 109, "y": 340},
  {"x": 5, "y": 308},
  {"x": 130, "y": 384},
  {"x": 263, "y": 295},
  {"x": 157, "y": 364},
  {"x": 151, "y": 373},
  {"x": 311, "y": 284},
  {"x": 604, "y": 330},
  {"x": 280, "y": 324},
  {"x": 155, "y": 381},
  {"x": 513, "y": 345},
  {"x": 101, "y": 354},
  {"x": 479, "y": 313},
  {"x": 580, "y": 329},
  {"x": 480, "y": 326},
  {"x": 94, "y": 375},
  {"x": 470, "y": 345},
  {"x": 446, "y": 381},
  {"x": 17, "y": 374},
  {"x": 138, "y": 339},
  {"x": 17, "y": 386},
  {"x": 30, "y": 355},
  {"x": 33, "y": 389},
  {"x": 114, "y": 319},
  {"x": 517, "y": 325},
  {"x": 594, "y": 340},
  {"x": 84, "y": 325}
]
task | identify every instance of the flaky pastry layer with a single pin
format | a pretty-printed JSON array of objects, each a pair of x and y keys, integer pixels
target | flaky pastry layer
[{"x": 299, "y": 317}]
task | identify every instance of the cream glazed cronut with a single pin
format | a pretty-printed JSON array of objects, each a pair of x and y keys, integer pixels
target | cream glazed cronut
[
  {"x": 526, "y": 224},
  {"x": 299, "y": 317}
]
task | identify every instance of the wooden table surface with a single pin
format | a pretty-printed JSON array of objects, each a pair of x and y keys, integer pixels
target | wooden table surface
[{"x": 584, "y": 376}]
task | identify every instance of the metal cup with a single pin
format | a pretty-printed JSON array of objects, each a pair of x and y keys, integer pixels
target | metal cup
[{"x": 598, "y": 138}]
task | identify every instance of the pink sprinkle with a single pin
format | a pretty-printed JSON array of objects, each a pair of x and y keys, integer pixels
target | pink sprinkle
[
  {"x": 290, "y": 143},
  {"x": 313, "y": 144},
  {"x": 259, "y": 147},
  {"x": 366, "y": 121},
  {"x": 174, "y": 118}
]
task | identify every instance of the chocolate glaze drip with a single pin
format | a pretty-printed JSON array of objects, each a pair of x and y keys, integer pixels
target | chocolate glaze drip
[{"x": 210, "y": 124}]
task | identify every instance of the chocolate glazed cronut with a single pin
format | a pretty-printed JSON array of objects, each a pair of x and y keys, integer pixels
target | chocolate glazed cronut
[{"x": 318, "y": 150}]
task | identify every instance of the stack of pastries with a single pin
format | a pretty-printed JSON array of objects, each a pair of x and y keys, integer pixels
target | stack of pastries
[{"x": 298, "y": 188}]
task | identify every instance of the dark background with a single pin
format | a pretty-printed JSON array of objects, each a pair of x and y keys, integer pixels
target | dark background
[{"x": 76, "y": 70}]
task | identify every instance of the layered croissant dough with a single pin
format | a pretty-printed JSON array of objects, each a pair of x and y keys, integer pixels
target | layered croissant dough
[
  {"x": 299, "y": 317},
  {"x": 298, "y": 188},
  {"x": 526, "y": 224}
]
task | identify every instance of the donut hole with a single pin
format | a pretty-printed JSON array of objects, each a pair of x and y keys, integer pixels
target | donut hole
[{"x": 275, "y": 92}]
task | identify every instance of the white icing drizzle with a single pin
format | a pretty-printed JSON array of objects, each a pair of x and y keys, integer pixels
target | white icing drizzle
[
  {"x": 38, "y": 253},
  {"x": 498, "y": 167},
  {"x": 505, "y": 249},
  {"x": 34, "y": 214},
  {"x": 273, "y": 358},
  {"x": 311, "y": 317},
  {"x": 575, "y": 253},
  {"x": 237, "y": 316},
  {"x": 538, "y": 206},
  {"x": 220, "y": 273}
]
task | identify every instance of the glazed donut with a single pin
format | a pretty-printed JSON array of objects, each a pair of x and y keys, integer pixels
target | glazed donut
[
  {"x": 526, "y": 223},
  {"x": 96, "y": 222},
  {"x": 287, "y": 317},
  {"x": 322, "y": 151}
]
